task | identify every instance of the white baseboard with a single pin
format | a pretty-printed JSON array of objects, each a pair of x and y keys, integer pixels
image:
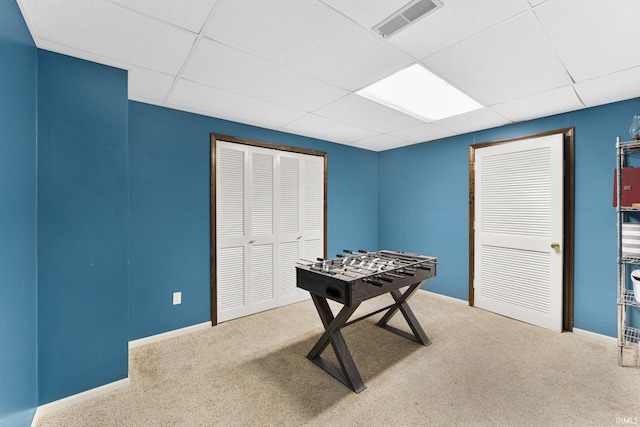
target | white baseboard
[
  {"x": 604, "y": 338},
  {"x": 77, "y": 398},
  {"x": 107, "y": 388},
  {"x": 170, "y": 334},
  {"x": 446, "y": 297}
]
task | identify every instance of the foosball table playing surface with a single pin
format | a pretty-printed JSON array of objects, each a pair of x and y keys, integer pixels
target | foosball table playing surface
[{"x": 355, "y": 277}]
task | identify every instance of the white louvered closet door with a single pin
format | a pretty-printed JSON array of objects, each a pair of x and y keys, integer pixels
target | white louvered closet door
[
  {"x": 262, "y": 240},
  {"x": 269, "y": 214},
  {"x": 313, "y": 208},
  {"x": 231, "y": 238},
  {"x": 518, "y": 222},
  {"x": 301, "y": 219},
  {"x": 246, "y": 244}
]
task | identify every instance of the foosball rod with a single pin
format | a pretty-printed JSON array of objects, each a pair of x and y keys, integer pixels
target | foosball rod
[
  {"x": 398, "y": 258},
  {"x": 385, "y": 275},
  {"x": 412, "y": 262},
  {"x": 378, "y": 256}
]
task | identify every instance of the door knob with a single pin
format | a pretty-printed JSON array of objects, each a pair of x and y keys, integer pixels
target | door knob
[{"x": 555, "y": 246}]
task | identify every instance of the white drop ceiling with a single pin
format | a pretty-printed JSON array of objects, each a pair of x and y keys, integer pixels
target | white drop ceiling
[{"x": 294, "y": 65}]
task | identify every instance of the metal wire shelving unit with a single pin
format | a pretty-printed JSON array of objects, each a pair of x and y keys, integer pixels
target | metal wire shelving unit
[{"x": 628, "y": 336}]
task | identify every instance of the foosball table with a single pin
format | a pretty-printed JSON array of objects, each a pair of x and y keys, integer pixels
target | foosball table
[{"x": 350, "y": 279}]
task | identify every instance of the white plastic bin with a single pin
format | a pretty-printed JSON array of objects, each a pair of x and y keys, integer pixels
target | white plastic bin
[{"x": 635, "y": 278}]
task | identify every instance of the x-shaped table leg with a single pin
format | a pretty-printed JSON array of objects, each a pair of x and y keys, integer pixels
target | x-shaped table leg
[
  {"x": 348, "y": 373},
  {"x": 419, "y": 335}
]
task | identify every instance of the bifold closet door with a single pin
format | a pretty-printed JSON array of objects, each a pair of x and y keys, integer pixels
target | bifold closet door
[
  {"x": 269, "y": 215},
  {"x": 246, "y": 244},
  {"x": 300, "y": 187}
]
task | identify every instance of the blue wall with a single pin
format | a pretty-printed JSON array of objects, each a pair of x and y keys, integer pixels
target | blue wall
[
  {"x": 169, "y": 220},
  {"x": 435, "y": 176},
  {"x": 18, "y": 334},
  {"x": 82, "y": 225},
  {"x": 69, "y": 303}
]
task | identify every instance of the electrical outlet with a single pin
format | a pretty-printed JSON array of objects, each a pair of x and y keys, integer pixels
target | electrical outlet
[{"x": 177, "y": 298}]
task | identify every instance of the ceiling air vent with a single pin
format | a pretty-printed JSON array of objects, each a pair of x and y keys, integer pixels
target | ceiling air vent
[{"x": 409, "y": 14}]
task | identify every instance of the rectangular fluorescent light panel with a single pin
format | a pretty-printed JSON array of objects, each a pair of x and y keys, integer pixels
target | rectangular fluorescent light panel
[{"x": 420, "y": 93}]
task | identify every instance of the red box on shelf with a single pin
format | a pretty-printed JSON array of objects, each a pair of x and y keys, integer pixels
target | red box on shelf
[{"x": 630, "y": 187}]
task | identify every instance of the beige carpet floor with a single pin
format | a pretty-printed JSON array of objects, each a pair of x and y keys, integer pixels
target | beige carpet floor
[{"x": 481, "y": 370}]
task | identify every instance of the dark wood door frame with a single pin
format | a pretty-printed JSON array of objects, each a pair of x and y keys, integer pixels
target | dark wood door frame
[
  {"x": 212, "y": 200},
  {"x": 568, "y": 212}
]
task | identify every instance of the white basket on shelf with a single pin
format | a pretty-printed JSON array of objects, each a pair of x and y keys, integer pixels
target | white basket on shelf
[{"x": 635, "y": 279}]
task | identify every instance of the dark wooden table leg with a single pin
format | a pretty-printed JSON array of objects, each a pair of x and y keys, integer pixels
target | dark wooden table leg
[
  {"x": 401, "y": 304},
  {"x": 348, "y": 373}
]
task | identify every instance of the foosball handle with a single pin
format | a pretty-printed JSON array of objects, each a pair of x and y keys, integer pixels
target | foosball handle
[
  {"x": 362, "y": 251},
  {"x": 374, "y": 282},
  {"x": 339, "y": 255},
  {"x": 347, "y": 251},
  {"x": 407, "y": 272}
]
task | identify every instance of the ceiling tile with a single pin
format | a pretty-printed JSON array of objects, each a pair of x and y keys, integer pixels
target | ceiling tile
[
  {"x": 202, "y": 99},
  {"x": 290, "y": 64},
  {"x": 547, "y": 103},
  {"x": 309, "y": 37},
  {"x": 592, "y": 38},
  {"x": 610, "y": 88},
  {"x": 381, "y": 143},
  {"x": 362, "y": 112},
  {"x": 422, "y": 133},
  {"x": 454, "y": 22},
  {"x": 227, "y": 68},
  {"x": 145, "y": 85},
  {"x": 190, "y": 15},
  {"x": 472, "y": 121},
  {"x": 111, "y": 31},
  {"x": 327, "y": 129},
  {"x": 508, "y": 61}
]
